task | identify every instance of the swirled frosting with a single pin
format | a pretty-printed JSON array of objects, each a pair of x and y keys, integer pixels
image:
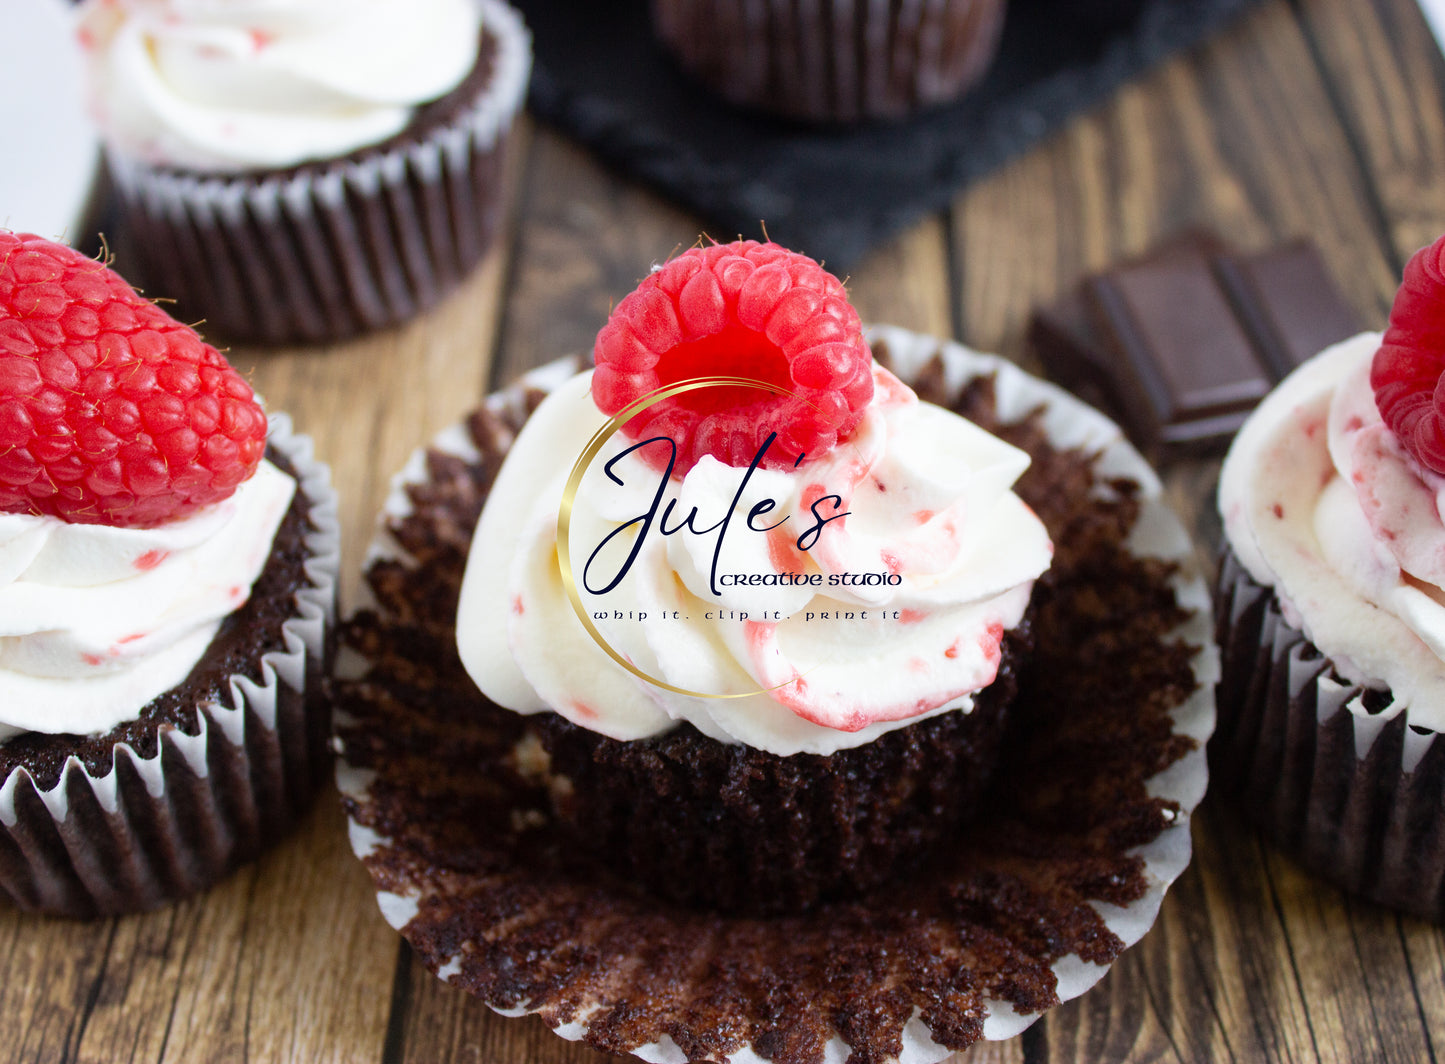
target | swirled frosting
[
  {"x": 877, "y": 596},
  {"x": 228, "y": 85},
  {"x": 97, "y": 621},
  {"x": 1322, "y": 504}
]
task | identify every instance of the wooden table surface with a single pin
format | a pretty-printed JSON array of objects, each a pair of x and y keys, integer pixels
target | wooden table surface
[{"x": 1320, "y": 117}]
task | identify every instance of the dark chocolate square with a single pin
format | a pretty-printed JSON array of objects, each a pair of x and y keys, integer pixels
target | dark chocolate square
[{"x": 1183, "y": 342}]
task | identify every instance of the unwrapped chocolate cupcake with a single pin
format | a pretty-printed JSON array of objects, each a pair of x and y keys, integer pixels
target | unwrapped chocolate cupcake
[
  {"x": 305, "y": 170},
  {"x": 727, "y": 711},
  {"x": 731, "y": 699},
  {"x": 1330, "y": 608},
  {"x": 167, "y": 573},
  {"x": 833, "y": 61}
]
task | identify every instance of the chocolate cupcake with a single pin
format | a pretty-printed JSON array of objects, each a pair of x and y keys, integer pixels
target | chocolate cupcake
[
  {"x": 308, "y": 173},
  {"x": 166, "y": 597},
  {"x": 797, "y": 704},
  {"x": 464, "y": 812},
  {"x": 834, "y": 61},
  {"x": 1333, "y": 692}
]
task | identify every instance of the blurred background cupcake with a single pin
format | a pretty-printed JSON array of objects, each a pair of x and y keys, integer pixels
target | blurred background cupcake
[
  {"x": 833, "y": 60},
  {"x": 305, "y": 170},
  {"x": 168, "y": 565}
]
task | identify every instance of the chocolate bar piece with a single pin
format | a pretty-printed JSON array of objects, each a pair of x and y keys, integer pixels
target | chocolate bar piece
[{"x": 1181, "y": 344}]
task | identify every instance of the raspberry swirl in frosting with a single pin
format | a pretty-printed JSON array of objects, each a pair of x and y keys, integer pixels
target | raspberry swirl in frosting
[
  {"x": 889, "y": 615},
  {"x": 95, "y": 621},
  {"x": 229, "y": 85},
  {"x": 1321, "y": 502}
]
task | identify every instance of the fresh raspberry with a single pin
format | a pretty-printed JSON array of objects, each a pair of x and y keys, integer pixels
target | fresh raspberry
[
  {"x": 1406, "y": 374},
  {"x": 742, "y": 309},
  {"x": 111, "y": 411}
]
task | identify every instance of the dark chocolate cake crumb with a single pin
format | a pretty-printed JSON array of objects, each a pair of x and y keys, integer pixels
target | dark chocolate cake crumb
[
  {"x": 244, "y": 637},
  {"x": 742, "y": 830},
  {"x": 523, "y": 918}
]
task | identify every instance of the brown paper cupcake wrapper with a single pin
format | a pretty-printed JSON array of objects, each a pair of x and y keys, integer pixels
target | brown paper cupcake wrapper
[
  {"x": 331, "y": 249},
  {"x": 430, "y": 782},
  {"x": 155, "y": 829},
  {"x": 833, "y": 60},
  {"x": 1332, "y": 772}
]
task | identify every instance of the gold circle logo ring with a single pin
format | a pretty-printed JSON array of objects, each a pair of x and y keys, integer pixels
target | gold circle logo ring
[{"x": 569, "y": 495}]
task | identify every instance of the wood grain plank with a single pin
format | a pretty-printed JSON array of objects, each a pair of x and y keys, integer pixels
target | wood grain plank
[
  {"x": 446, "y": 1024},
  {"x": 50, "y": 971},
  {"x": 1012, "y": 1051},
  {"x": 1352, "y": 969},
  {"x": 136, "y": 995},
  {"x": 1239, "y": 957},
  {"x": 1194, "y": 989},
  {"x": 1115, "y": 1020},
  {"x": 1287, "y": 156},
  {"x": 1388, "y": 79},
  {"x": 1425, "y": 947}
]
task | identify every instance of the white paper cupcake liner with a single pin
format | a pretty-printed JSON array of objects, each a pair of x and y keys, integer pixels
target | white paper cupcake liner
[
  {"x": 1158, "y": 534},
  {"x": 154, "y": 829},
  {"x": 833, "y": 60},
  {"x": 1334, "y": 774},
  {"x": 329, "y": 249}
]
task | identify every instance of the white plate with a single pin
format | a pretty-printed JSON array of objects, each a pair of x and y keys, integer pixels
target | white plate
[
  {"x": 50, "y": 148},
  {"x": 1435, "y": 15}
]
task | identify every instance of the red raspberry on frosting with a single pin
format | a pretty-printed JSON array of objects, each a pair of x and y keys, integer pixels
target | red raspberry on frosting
[
  {"x": 111, "y": 411},
  {"x": 1406, "y": 374},
  {"x": 743, "y": 309}
]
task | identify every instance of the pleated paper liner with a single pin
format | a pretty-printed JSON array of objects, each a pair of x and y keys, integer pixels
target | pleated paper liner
[
  {"x": 151, "y": 829},
  {"x": 328, "y": 249},
  {"x": 1025, "y": 908},
  {"x": 1332, "y": 772},
  {"x": 833, "y": 60}
]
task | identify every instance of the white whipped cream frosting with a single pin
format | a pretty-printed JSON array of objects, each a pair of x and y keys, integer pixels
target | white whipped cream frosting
[
  {"x": 1322, "y": 504},
  {"x": 97, "y": 621},
  {"x": 229, "y": 85},
  {"x": 927, "y": 496}
]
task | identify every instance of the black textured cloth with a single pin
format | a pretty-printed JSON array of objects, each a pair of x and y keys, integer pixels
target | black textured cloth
[{"x": 833, "y": 193}]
